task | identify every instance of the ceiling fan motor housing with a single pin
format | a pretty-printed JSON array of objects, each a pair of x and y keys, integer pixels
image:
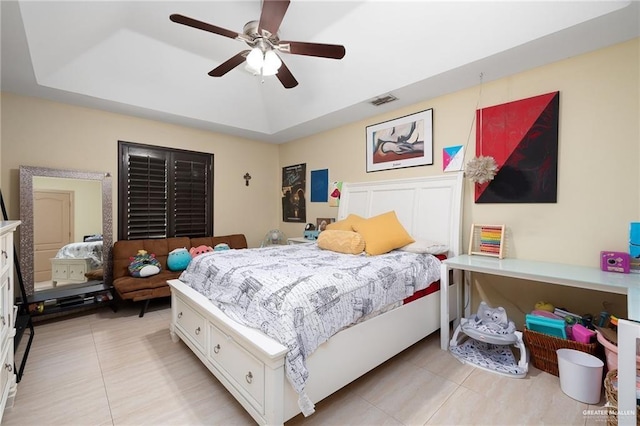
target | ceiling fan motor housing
[{"x": 254, "y": 37}]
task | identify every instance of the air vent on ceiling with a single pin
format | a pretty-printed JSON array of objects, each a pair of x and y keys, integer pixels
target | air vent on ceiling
[{"x": 383, "y": 100}]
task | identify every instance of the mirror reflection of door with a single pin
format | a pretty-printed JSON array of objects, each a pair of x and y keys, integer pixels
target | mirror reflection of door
[
  {"x": 53, "y": 229},
  {"x": 85, "y": 225}
]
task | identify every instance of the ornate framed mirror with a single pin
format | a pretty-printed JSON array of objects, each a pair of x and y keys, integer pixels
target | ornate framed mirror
[{"x": 81, "y": 211}]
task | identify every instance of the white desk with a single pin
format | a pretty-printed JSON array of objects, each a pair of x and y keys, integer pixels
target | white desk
[{"x": 552, "y": 273}]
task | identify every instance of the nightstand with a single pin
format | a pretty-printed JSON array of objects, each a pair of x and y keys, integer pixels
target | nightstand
[{"x": 299, "y": 240}]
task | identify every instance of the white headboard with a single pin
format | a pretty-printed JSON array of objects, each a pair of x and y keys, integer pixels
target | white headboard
[{"x": 428, "y": 207}]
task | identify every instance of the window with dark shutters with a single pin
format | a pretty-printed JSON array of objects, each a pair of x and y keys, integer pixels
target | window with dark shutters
[
  {"x": 164, "y": 192},
  {"x": 146, "y": 203},
  {"x": 190, "y": 191}
]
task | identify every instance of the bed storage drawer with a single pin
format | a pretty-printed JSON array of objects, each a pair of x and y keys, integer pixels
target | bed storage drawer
[
  {"x": 77, "y": 271},
  {"x": 238, "y": 365},
  {"x": 60, "y": 271},
  {"x": 191, "y": 323},
  {"x": 72, "y": 270}
]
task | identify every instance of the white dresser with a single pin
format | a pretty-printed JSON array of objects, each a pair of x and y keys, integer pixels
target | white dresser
[{"x": 8, "y": 384}]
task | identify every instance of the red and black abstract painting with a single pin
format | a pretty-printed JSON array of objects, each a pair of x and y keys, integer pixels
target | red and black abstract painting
[{"x": 522, "y": 136}]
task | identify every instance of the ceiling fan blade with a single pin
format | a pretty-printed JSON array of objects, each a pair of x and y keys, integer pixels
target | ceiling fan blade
[
  {"x": 190, "y": 22},
  {"x": 229, "y": 64},
  {"x": 333, "y": 51},
  {"x": 286, "y": 78},
  {"x": 272, "y": 13}
]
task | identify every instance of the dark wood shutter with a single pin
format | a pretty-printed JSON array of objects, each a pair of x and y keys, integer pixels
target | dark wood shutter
[
  {"x": 147, "y": 197},
  {"x": 164, "y": 193},
  {"x": 190, "y": 194}
]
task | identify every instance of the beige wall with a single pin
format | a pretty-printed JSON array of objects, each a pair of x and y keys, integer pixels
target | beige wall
[
  {"x": 598, "y": 179},
  {"x": 40, "y": 133},
  {"x": 598, "y": 173}
]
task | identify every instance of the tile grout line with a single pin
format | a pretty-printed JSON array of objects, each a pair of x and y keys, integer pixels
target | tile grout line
[
  {"x": 104, "y": 383},
  {"x": 458, "y": 386}
]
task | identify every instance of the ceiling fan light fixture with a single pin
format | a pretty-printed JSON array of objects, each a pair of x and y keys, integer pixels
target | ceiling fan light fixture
[
  {"x": 251, "y": 71},
  {"x": 255, "y": 59},
  {"x": 271, "y": 63},
  {"x": 267, "y": 62}
]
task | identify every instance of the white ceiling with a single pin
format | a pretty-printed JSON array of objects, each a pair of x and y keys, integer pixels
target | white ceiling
[{"x": 128, "y": 57}]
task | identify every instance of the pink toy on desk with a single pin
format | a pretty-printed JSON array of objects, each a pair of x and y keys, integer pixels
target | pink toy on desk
[{"x": 615, "y": 261}]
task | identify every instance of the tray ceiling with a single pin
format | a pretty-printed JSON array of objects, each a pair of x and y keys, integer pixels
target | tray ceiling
[{"x": 128, "y": 57}]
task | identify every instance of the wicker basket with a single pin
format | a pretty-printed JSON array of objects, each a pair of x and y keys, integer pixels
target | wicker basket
[
  {"x": 612, "y": 399},
  {"x": 543, "y": 347}
]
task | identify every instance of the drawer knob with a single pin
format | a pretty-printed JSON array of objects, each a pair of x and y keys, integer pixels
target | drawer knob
[
  {"x": 179, "y": 315},
  {"x": 249, "y": 377},
  {"x": 197, "y": 331},
  {"x": 4, "y": 254},
  {"x": 216, "y": 348},
  {"x": 8, "y": 367}
]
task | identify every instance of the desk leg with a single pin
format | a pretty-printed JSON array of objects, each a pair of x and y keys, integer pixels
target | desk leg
[
  {"x": 457, "y": 283},
  {"x": 444, "y": 307},
  {"x": 628, "y": 333},
  {"x": 466, "y": 279}
]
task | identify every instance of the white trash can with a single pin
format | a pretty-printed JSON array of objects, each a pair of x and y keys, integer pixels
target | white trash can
[{"x": 580, "y": 375}]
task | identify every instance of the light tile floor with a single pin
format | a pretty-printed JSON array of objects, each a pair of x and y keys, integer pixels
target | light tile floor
[{"x": 106, "y": 368}]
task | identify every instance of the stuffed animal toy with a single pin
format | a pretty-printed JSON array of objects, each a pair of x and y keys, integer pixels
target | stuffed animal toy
[
  {"x": 144, "y": 265},
  {"x": 494, "y": 319},
  {"x": 178, "y": 259},
  {"x": 195, "y": 251},
  {"x": 221, "y": 247}
]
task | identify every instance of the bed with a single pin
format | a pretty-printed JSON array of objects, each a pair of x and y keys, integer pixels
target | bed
[
  {"x": 74, "y": 260},
  {"x": 251, "y": 365}
]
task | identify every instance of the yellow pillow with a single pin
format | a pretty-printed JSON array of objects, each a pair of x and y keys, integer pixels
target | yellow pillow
[
  {"x": 348, "y": 242},
  {"x": 382, "y": 233},
  {"x": 345, "y": 224}
]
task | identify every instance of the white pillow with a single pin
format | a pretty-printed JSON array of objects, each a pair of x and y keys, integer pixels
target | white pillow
[{"x": 425, "y": 246}]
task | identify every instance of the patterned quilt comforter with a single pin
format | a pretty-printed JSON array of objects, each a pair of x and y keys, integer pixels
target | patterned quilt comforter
[
  {"x": 301, "y": 295},
  {"x": 88, "y": 250}
]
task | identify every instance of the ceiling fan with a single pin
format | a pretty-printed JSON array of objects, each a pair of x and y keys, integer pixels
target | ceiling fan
[{"x": 262, "y": 38}]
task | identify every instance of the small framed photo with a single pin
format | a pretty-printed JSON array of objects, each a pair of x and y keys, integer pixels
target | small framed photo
[
  {"x": 322, "y": 222},
  {"x": 403, "y": 142}
]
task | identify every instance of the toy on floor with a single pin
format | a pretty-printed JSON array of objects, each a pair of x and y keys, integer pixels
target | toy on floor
[{"x": 485, "y": 341}]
